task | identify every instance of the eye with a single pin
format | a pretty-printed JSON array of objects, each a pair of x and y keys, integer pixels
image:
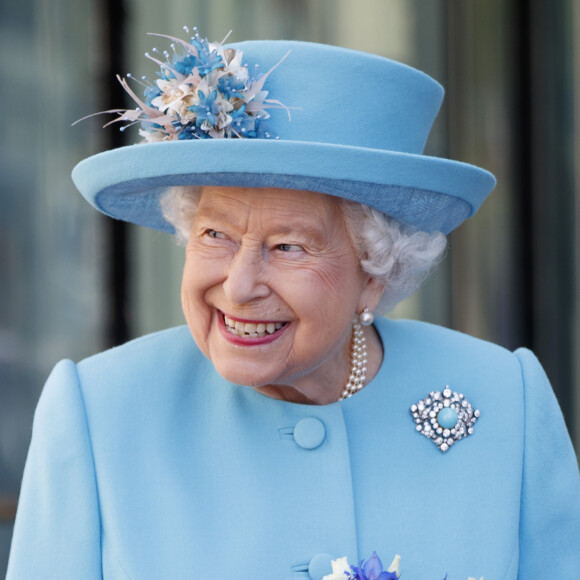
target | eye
[
  {"x": 289, "y": 248},
  {"x": 215, "y": 234}
]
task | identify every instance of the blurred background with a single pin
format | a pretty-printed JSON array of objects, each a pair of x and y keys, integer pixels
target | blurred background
[{"x": 73, "y": 282}]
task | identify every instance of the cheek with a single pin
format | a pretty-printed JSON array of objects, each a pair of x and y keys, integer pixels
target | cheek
[
  {"x": 197, "y": 279},
  {"x": 323, "y": 299}
]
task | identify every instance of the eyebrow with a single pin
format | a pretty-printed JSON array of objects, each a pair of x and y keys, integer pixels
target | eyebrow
[
  {"x": 318, "y": 234},
  {"x": 305, "y": 224}
]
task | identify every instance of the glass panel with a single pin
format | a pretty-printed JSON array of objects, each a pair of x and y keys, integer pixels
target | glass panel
[
  {"x": 576, "y": 350},
  {"x": 50, "y": 287}
]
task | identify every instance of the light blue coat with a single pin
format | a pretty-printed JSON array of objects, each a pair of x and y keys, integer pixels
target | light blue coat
[{"x": 146, "y": 465}]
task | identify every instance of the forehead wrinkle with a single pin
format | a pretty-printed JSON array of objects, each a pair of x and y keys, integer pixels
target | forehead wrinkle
[
  {"x": 289, "y": 221},
  {"x": 321, "y": 217},
  {"x": 224, "y": 215}
]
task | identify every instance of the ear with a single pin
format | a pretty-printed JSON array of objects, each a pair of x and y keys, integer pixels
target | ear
[{"x": 371, "y": 294}]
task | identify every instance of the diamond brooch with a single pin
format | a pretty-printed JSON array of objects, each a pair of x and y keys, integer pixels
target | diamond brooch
[{"x": 445, "y": 417}]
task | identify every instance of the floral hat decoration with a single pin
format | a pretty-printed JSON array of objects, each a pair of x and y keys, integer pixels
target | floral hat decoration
[
  {"x": 203, "y": 91},
  {"x": 285, "y": 114}
]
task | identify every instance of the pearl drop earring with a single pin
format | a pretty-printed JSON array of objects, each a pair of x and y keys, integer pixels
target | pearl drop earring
[{"x": 366, "y": 317}]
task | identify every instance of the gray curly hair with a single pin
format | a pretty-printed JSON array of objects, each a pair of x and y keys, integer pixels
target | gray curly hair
[{"x": 397, "y": 255}]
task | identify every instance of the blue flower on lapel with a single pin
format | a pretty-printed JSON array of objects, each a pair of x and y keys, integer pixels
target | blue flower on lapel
[
  {"x": 445, "y": 417},
  {"x": 372, "y": 569}
]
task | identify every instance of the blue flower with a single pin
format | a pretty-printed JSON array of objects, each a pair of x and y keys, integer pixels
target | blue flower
[
  {"x": 243, "y": 124},
  {"x": 230, "y": 87},
  {"x": 207, "y": 60},
  {"x": 186, "y": 133},
  {"x": 372, "y": 569},
  {"x": 189, "y": 131},
  {"x": 184, "y": 64},
  {"x": 206, "y": 110}
]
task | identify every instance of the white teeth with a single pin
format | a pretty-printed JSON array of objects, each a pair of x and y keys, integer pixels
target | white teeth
[{"x": 252, "y": 329}]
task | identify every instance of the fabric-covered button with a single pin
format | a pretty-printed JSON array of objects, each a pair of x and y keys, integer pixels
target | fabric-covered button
[
  {"x": 320, "y": 566},
  {"x": 309, "y": 433}
]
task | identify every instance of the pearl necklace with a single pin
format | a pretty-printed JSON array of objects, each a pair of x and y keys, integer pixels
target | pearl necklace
[{"x": 358, "y": 362}]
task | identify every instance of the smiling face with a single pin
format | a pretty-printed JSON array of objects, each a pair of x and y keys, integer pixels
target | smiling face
[{"x": 270, "y": 288}]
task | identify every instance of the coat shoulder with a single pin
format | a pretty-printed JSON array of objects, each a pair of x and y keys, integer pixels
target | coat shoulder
[
  {"x": 427, "y": 357},
  {"x": 163, "y": 359},
  {"x": 431, "y": 339}
]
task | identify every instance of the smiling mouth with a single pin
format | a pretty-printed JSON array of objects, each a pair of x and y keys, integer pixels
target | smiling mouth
[{"x": 252, "y": 329}]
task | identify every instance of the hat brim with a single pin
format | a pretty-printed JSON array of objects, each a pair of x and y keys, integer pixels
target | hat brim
[{"x": 430, "y": 193}]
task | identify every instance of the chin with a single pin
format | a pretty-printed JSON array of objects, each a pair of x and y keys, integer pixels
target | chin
[{"x": 250, "y": 377}]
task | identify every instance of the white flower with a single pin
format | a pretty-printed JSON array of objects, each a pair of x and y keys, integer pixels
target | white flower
[
  {"x": 170, "y": 92},
  {"x": 340, "y": 570},
  {"x": 176, "y": 99},
  {"x": 394, "y": 567},
  {"x": 234, "y": 66}
]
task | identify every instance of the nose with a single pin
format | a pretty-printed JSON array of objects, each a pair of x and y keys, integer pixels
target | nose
[{"x": 246, "y": 276}]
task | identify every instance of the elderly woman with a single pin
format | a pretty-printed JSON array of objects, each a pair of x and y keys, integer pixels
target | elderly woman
[{"x": 283, "y": 428}]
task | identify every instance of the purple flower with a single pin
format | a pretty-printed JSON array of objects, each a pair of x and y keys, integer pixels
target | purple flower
[{"x": 372, "y": 569}]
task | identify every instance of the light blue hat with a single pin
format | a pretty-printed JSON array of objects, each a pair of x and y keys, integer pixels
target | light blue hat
[{"x": 357, "y": 128}]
